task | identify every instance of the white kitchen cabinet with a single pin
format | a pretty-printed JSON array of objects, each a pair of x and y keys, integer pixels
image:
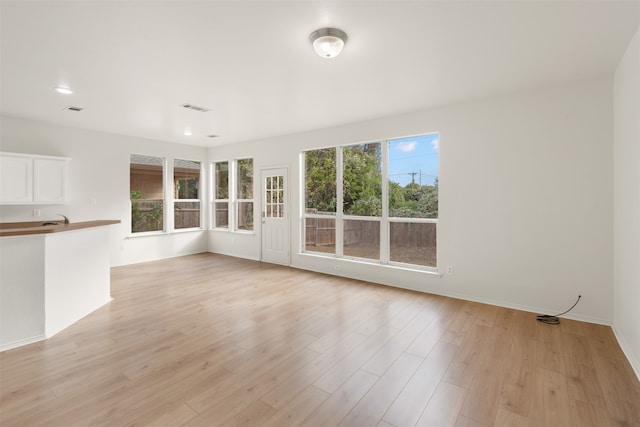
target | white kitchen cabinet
[
  {"x": 16, "y": 179},
  {"x": 27, "y": 179}
]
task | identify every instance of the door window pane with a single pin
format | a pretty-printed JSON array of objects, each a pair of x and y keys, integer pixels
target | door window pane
[{"x": 274, "y": 196}]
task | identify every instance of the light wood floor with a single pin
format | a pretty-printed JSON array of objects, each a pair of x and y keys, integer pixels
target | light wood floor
[{"x": 210, "y": 340}]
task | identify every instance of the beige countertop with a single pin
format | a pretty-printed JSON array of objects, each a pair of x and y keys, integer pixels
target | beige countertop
[{"x": 36, "y": 227}]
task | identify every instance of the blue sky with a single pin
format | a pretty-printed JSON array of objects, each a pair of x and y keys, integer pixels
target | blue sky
[{"x": 416, "y": 154}]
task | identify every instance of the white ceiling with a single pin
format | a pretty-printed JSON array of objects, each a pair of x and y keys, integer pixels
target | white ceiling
[{"x": 132, "y": 64}]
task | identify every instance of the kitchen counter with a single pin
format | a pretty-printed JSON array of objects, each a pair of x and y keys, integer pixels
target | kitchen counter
[
  {"x": 36, "y": 227},
  {"x": 50, "y": 277}
]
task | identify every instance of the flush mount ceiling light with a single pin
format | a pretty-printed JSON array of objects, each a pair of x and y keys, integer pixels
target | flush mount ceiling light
[
  {"x": 64, "y": 90},
  {"x": 188, "y": 132},
  {"x": 328, "y": 42}
]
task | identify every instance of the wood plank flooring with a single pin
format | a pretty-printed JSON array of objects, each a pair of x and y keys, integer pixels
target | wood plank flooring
[{"x": 210, "y": 340}]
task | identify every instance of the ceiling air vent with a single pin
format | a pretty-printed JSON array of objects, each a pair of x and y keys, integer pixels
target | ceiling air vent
[
  {"x": 196, "y": 108},
  {"x": 72, "y": 108}
]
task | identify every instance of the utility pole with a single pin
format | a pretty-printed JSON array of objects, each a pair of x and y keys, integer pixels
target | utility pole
[{"x": 413, "y": 177}]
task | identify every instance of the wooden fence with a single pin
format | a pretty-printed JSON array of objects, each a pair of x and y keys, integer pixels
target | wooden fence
[
  {"x": 186, "y": 215},
  {"x": 146, "y": 215},
  {"x": 322, "y": 232}
]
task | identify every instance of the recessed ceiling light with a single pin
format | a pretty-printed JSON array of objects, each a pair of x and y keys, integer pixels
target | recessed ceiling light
[
  {"x": 188, "y": 132},
  {"x": 64, "y": 90}
]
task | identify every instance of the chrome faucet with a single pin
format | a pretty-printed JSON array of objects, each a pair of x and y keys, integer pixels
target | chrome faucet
[{"x": 66, "y": 220}]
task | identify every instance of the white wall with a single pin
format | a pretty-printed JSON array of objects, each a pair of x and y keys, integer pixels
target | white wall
[
  {"x": 99, "y": 169},
  {"x": 22, "y": 293},
  {"x": 626, "y": 191},
  {"x": 525, "y": 198}
]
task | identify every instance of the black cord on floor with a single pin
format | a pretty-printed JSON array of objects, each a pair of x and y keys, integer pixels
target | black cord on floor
[{"x": 554, "y": 320}]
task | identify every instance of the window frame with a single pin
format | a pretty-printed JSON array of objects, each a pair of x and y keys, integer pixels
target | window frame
[
  {"x": 384, "y": 220},
  {"x": 164, "y": 215},
  {"x": 233, "y": 201},
  {"x": 237, "y": 200},
  {"x": 178, "y": 200},
  {"x": 215, "y": 200}
]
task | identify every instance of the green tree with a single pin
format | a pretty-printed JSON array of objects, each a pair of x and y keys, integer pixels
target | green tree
[
  {"x": 396, "y": 195},
  {"x": 362, "y": 179},
  {"x": 320, "y": 180},
  {"x": 245, "y": 179},
  {"x": 428, "y": 201}
]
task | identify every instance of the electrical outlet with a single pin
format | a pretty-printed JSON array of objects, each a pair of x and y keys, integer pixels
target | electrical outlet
[
  {"x": 450, "y": 269},
  {"x": 93, "y": 201},
  {"x": 36, "y": 212}
]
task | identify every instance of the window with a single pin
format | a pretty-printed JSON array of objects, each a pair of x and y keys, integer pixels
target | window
[
  {"x": 221, "y": 196},
  {"x": 233, "y": 195},
  {"x": 274, "y": 195},
  {"x": 375, "y": 201},
  {"x": 362, "y": 200},
  {"x": 413, "y": 200},
  {"x": 244, "y": 194},
  {"x": 186, "y": 194},
  {"x": 320, "y": 200},
  {"x": 146, "y": 177}
]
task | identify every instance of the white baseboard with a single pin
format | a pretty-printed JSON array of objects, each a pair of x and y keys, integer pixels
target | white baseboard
[
  {"x": 20, "y": 343},
  {"x": 633, "y": 360}
]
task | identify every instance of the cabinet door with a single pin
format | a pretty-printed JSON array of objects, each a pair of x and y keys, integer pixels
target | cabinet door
[
  {"x": 16, "y": 176},
  {"x": 50, "y": 180}
]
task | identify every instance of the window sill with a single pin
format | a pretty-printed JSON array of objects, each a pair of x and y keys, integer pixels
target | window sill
[
  {"x": 163, "y": 233},
  {"x": 362, "y": 261},
  {"x": 186, "y": 230},
  {"x": 146, "y": 234},
  {"x": 226, "y": 230}
]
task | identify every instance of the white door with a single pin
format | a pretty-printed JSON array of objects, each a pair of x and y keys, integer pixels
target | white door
[{"x": 275, "y": 216}]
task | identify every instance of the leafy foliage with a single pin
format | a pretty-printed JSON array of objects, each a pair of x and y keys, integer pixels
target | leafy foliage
[
  {"x": 146, "y": 215},
  {"x": 362, "y": 185},
  {"x": 320, "y": 180},
  {"x": 362, "y": 180},
  {"x": 222, "y": 180},
  {"x": 245, "y": 179}
]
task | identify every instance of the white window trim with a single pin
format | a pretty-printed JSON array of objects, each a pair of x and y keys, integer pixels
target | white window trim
[
  {"x": 232, "y": 201},
  {"x": 164, "y": 202},
  {"x": 214, "y": 200},
  {"x": 174, "y": 200},
  {"x": 168, "y": 199},
  {"x": 384, "y": 220}
]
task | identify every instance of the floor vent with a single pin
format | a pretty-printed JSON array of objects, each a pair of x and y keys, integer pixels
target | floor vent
[{"x": 72, "y": 108}]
